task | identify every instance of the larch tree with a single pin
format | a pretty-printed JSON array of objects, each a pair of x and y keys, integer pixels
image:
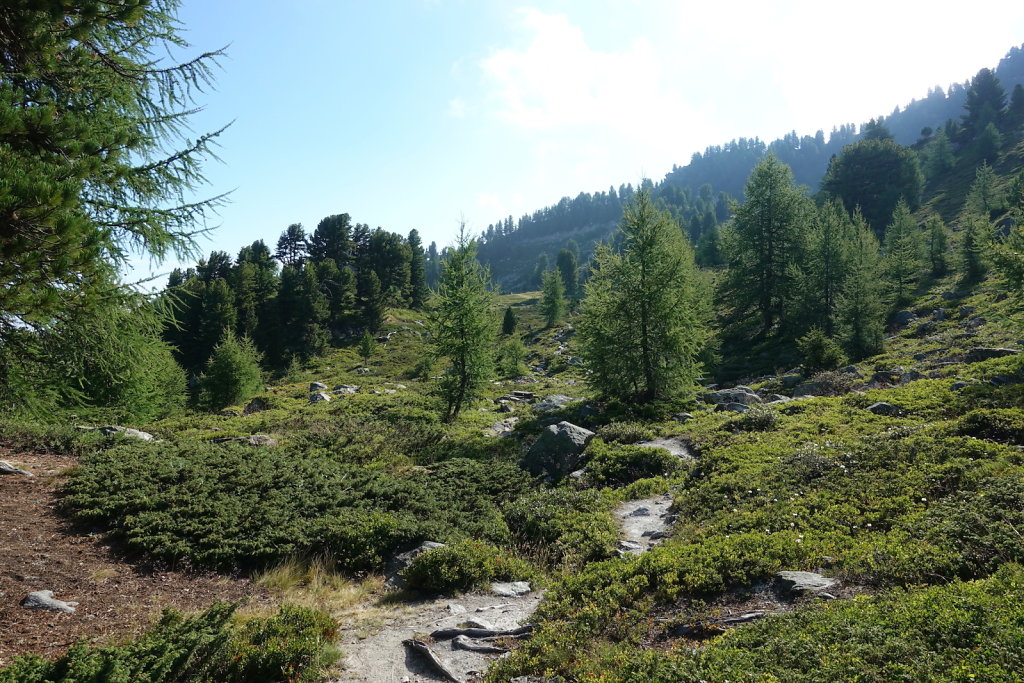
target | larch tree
[
  {"x": 765, "y": 240},
  {"x": 827, "y": 264},
  {"x": 902, "y": 262},
  {"x": 418, "y": 291},
  {"x": 938, "y": 245},
  {"x": 641, "y": 323},
  {"x": 552, "y": 300},
  {"x": 860, "y": 310},
  {"x": 463, "y": 326},
  {"x": 568, "y": 267}
]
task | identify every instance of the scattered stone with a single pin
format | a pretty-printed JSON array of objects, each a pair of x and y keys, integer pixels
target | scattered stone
[
  {"x": 810, "y": 389},
  {"x": 801, "y": 583},
  {"x": 363, "y": 371},
  {"x": 44, "y": 600},
  {"x": 910, "y": 376},
  {"x": 578, "y": 475},
  {"x": 467, "y": 643},
  {"x": 682, "y": 417},
  {"x": 229, "y": 413},
  {"x": 505, "y": 408},
  {"x": 975, "y": 322},
  {"x": 558, "y": 451},
  {"x": 127, "y": 432},
  {"x": 966, "y": 311},
  {"x": 772, "y": 399},
  {"x": 630, "y": 548},
  {"x": 504, "y": 428},
  {"x": 257, "y": 405},
  {"x": 399, "y": 562},
  {"x": 744, "y": 618},
  {"x": 735, "y": 395},
  {"x": 960, "y": 386},
  {"x": 883, "y": 408},
  {"x": 640, "y": 512},
  {"x": 510, "y": 589},
  {"x": 253, "y": 440},
  {"x": 456, "y": 608},
  {"x": 553, "y": 402},
  {"x": 673, "y": 444},
  {"x": 346, "y": 389},
  {"x": 319, "y": 397},
  {"x": 852, "y": 370},
  {"x": 791, "y": 380},
  {"x": 315, "y": 387},
  {"x": 925, "y": 328},
  {"x": 524, "y": 396},
  {"x": 887, "y": 376},
  {"x": 954, "y": 295},
  {"x": 475, "y": 622},
  {"x": 980, "y": 353},
  {"x": 8, "y": 468}
]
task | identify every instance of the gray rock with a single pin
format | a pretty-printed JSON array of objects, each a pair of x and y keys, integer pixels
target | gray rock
[
  {"x": 319, "y": 397},
  {"x": 476, "y": 622},
  {"x": 510, "y": 589},
  {"x": 346, "y": 389},
  {"x": 903, "y": 318},
  {"x": 735, "y": 395},
  {"x": 8, "y": 468},
  {"x": 975, "y": 322},
  {"x": 456, "y": 608},
  {"x": 960, "y": 386},
  {"x": 44, "y": 600},
  {"x": 524, "y": 395},
  {"x": 810, "y": 389},
  {"x": 253, "y": 440},
  {"x": 363, "y": 371},
  {"x": 925, "y": 328},
  {"x": 939, "y": 314},
  {"x": 682, "y": 417},
  {"x": 966, "y": 311},
  {"x": 399, "y": 562},
  {"x": 883, "y": 408},
  {"x": 733, "y": 407},
  {"x": 504, "y": 428},
  {"x": 911, "y": 376},
  {"x": 801, "y": 583},
  {"x": 852, "y": 370},
  {"x": 317, "y": 386},
  {"x": 553, "y": 402},
  {"x": 790, "y": 380},
  {"x": 229, "y": 413},
  {"x": 980, "y": 353},
  {"x": 257, "y": 405},
  {"x": 558, "y": 451},
  {"x": 127, "y": 432},
  {"x": 949, "y": 296}
]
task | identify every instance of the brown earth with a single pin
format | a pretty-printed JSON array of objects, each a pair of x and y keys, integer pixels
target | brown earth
[{"x": 41, "y": 550}]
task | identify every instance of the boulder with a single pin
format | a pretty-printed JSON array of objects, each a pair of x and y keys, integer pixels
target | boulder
[
  {"x": 317, "y": 386},
  {"x": 257, "y": 405},
  {"x": 810, "y": 389},
  {"x": 229, "y": 413},
  {"x": 510, "y": 589},
  {"x": 44, "y": 600},
  {"x": 252, "y": 440},
  {"x": 8, "y": 468},
  {"x": 939, "y": 314},
  {"x": 925, "y": 328},
  {"x": 887, "y": 376},
  {"x": 733, "y": 407},
  {"x": 363, "y": 371},
  {"x": 911, "y": 376},
  {"x": 903, "y": 318},
  {"x": 883, "y": 408},
  {"x": 127, "y": 432},
  {"x": 399, "y": 562},
  {"x": 319, "y": 397},
  {"x": 852, "y": 370},
  {"x": 736, "y": 395},
  {"x": 802, "y": 583},
  {"x": 553, "y": 402},
  {"x": 980, "y": 353},
  {"x": 960, "y": 386},
  {"x": 558, "y": 451},
  {"x": 791, "y": 380},
  {"x": 346, "y": 389},
  {"x": 966, "y": 311},
  {"x": 682, "y": 417}
]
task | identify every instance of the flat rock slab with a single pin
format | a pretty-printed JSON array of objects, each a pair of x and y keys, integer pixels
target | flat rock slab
[
  {"x": 672, "y": 444},
  {"x": 802, "y": 583},
  {"x": 643, "y": 522},
  {"x": 553, "y": 402},
  {"x": 110, "y": 430},
  {"x": 510, "y": 589},
  {"x": 8, "y": 468},
  {"x": 44, "y": 600}
]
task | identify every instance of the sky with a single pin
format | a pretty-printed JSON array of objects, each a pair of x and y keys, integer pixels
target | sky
[{"x": 427, "y": 113}]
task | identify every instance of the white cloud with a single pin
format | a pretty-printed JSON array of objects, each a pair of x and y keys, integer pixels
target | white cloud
[{"x": 457, "y": 108}]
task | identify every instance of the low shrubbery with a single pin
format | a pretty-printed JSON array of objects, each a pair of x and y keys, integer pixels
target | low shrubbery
[
  {"x": 563, "y": 526},
  {"x": 294, "y": 645},
  {"x": 462, "y": 566},
  {"x": 618, "y": 465}
]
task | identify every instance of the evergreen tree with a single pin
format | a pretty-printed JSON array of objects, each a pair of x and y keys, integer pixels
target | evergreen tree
[
  {"x": 303, "y": 313},
  {"x": 463, "y": 327},
  {"x": 371, "y": 296},
  {"x": 570, "y": 272},
  {"x": 988, "y": 143},
  {"x": 767, "y": 238},
  {"x": 552, "y": 301},
  {"x": 332, "y": 239},
  {"x": 641, "y": 322},
  {"x": 827, "y": 265},
  {"x": 861, "y": 314},
  {"x": 974, "y": 244},
  {"x": 389, "y": 256},
  {"x": 509, "y": 322},
  {"x": 418, "y": 291},
  {"x": 985, "y": 102},
  {"x": 902, "y": 262},
  {"x": 88, "y": 157},
  {"x": 232, "y": 374},
  {"x": 1015, "y": 114},
  {"x": 937, "y": 246},
  {"x": 339, "y": 286},
  {"x": 541, "y": 267},
  {"x": 367, "y": 347},
  {"x": 983, "y": 198},
  {"x": 709, "y": 249},
  {"x": 939, "y": 154},
  {"x": 217, "y": 315},
  {"x": 292, "y": 246},
  {"x": 433, "y": 266}
]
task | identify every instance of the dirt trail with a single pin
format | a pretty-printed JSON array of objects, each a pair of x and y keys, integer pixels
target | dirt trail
[
  {"x": 40, "y": 550},
  {"x": 644, "y": 523},
  {"x": 377, "y": 654}
]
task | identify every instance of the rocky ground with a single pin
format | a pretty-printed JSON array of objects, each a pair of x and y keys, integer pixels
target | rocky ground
[{"x": 40, "y": 550}]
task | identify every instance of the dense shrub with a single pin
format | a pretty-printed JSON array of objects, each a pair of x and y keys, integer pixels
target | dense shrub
[
  {"x": 563, "y": 526},
  {"x": 1005, "y": 426},
  {"x": 462, "y": 566},
  {"x": 759, "y": 418},
  {"x": 819, "y": 352},
  {"x": 618, "y": 465},
  {"x": 232, "y": 373},
  {"x": 626, "y": 432},
  {"x": 294, "y": 645}
]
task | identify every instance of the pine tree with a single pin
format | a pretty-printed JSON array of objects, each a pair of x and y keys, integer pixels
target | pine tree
[
  {"x": 827, "y": 264},
  {"x": 983, "y": 198},
  {"x": 232, "y": 373},
  {"x": 371, "y": 296},
  {"x": 939, "y": 154},
  {"x": 902, "y": 262},
  {"x": 418, "y": 291},
  {"x": 974, "y": 245},
  {"x": 463, "y": 327},
  {"x": 570, "y": 272},
  {"x": 292, "y": 246},
  {"x": 765, "y": 242},
  {"x": 552, "y": 301},
  {"x": 937, "y": 246},
  {"x": 541, "y": 267},
  {"x": 509, "y": 322},
  {"x": 861, "y": 313},
  {"x": 367, "y": 346},
  {"x": 641, "y": 324},
  {"x": 332, "y": 239}
]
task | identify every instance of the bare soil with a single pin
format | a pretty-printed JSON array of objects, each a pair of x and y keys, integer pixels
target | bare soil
[{"x": 41, "y": 550}]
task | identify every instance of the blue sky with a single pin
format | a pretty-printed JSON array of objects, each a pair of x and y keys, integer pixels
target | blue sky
[{"x": 421, "y": 113}]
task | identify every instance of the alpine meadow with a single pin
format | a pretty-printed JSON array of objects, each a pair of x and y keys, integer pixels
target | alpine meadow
[{"x": 758, "y": 419}]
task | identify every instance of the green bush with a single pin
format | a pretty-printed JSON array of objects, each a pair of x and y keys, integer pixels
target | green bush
[
  {"x": 232, "y": 374},
  {"x": 1004, "y": 426},
  {"x": 511, "y": 359},
  {"x": 626, "y": 432},
  {"x": 759, "y": 418},
  {"x": 563, "y": 526},
  {"x": 461, "y": 566},
  {"x": 820, "y": 352},
  {"x": 210, "y": 647},
  {"x": 618, "y": 465}
]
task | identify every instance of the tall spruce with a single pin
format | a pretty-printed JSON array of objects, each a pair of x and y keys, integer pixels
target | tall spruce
[
  {"x": 292, "y": 247},
  {"x": 332, "y": 239},
  {"x": 827, "y": 265},
  {"x": 938, "y": 245},
  {"x": 418, "y": 290},
  {"x": 463, "y": 327},
  {"x": 552, "y": 300},
  {"x": 765, "y": 242},
  {"x": 860, "y": 309},
  {"x": 641, "y": 326},
  {"x": 568, "y": 268},
  {"x": 902, "y": 262}
]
